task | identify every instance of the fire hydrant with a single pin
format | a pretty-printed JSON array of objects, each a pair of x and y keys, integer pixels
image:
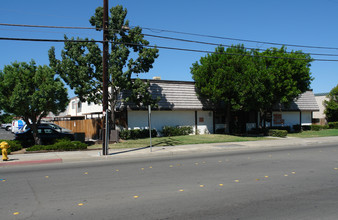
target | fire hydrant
[{"x": 4, "y": 146}]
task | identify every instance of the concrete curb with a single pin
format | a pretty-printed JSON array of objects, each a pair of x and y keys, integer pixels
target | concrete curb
[{"x": 9, "y": 163}]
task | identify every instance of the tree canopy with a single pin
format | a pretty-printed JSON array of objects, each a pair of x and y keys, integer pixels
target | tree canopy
[
  {"x": 331, "y": 105},
  {"x": 252, "y": 80},
  {"x": 31, "y": 91},
  {"x": 81, "y": 62}
]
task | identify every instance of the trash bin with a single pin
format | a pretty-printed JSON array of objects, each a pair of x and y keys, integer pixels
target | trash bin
[{"x": 79, "y": 136}]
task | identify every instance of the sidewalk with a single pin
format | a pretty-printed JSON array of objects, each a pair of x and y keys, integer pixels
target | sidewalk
[{"x": 95, "y": 155}]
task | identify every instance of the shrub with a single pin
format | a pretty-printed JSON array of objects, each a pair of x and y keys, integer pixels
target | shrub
[
  {"x": 60, "y": 145},
  {"x": 316, "y": 127},
  {"x": 168, "y": 131},
  {"x": 278, "y": 133},
  {"x": 333, "y": 125},
  {"x": 15, "y": 146},
  {"x": 287, "y": 128},
  {"x": 297, "y": 128},
  {"x": 137, "y": 134}
]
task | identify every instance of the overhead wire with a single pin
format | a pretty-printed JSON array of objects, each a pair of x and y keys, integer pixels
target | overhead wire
[
  {"x": 160, "y": 47},
  {"x": 155, "y": 36},
  {"x": 238, "y": 39}
]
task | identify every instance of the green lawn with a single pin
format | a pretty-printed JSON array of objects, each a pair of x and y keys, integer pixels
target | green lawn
[
  {"x": 204, "y": 139},
  {"x": 179, "y": 140},
  {"x": 321, "y": 133}
]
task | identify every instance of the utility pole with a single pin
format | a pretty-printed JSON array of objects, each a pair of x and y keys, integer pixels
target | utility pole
[{"x": 105, "y": 76}]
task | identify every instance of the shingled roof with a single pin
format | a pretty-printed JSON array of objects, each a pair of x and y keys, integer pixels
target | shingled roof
[
  {"x": 305, "y": 102},
  {"x": 174, "y": 95},
  {"x": 182, "y": 95}
]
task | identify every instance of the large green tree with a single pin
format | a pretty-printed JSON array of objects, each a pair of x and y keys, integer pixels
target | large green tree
[
  {"x": 252, "y": 80},
  {"x": 331, "y": 105},
  {"x": 223, "y": 77},
  {"x": 31, "y": 92},
  {"x": 81, "y": 62}
]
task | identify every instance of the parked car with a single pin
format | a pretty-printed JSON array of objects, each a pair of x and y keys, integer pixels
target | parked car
[
  {"x": 46, "y": 134},
  {"x": 50, "y": 124},
  {"x": 6, "y": 126}
]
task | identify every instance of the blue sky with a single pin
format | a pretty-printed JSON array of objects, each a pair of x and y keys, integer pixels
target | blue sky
[{"x": 297, "y": 22}]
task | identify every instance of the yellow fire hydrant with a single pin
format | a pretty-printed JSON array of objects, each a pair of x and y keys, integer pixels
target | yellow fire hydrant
[{"x": 4, "y": 146}]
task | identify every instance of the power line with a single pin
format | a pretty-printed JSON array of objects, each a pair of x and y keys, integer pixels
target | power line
[
  {"x": 176, "y": 32},
  {"x": 157, "y": 36},
  {"x": 47, "y": 40},
  {"x": 238, "y": 39},
  {"x": 215, "y": 44},
  {"x": 160, "y": 47}
]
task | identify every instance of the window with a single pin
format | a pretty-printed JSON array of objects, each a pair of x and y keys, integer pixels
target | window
[
  {"x": 48, "y": 131},
  {"x": 79, "y": 106},
  {"x": 73, "y": 105}
]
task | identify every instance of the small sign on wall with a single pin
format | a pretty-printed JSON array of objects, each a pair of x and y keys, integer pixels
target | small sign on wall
[{"x": 201, "y": 119}]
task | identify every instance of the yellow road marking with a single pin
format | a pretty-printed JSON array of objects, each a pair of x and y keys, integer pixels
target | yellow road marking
[
  {"x": 221, "y": 184},
  {"x": 80, "y": 204},
  {"x": 16, "y": 213},
  {"x": 135, "y": 197}
]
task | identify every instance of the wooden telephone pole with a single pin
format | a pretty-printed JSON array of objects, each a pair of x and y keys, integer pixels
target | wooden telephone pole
[{"x": 105, "y": 77}]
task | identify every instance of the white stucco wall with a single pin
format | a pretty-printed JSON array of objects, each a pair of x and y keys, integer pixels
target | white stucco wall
[
  {"x": 74, "y": 110},
  {"x": 292, "y": 118},
  {"x": 139, "y": 120},
  {"x": 205, "y": 127},
  {"x": 320, "y": 100},
  {"x": 306, "y": 118}
]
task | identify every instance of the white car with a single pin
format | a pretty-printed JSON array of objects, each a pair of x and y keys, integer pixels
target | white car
[{"x": 6, "y": 126}]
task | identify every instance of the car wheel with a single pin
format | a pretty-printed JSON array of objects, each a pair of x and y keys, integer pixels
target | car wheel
[{"x": 8, "y": 128}]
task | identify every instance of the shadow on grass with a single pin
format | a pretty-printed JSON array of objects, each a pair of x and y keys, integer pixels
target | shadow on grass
[{"x": 170, "y": 141}]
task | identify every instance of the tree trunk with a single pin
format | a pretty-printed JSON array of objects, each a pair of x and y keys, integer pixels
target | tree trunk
[{"x": 227, "y": 119}]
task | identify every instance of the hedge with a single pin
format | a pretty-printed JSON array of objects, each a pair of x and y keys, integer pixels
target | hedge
[
  {"x": 333, "y": 125},
  {"x": 14, "y": 146},
  {"x": 60, "y": 145},
  {"x": 168, "y": 131},
  {"x": 137, "y": 134},
  {"x": 278, "y": 133}
]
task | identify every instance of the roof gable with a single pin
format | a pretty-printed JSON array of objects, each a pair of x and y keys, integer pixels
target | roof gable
[{"x": 304, "y": 102}]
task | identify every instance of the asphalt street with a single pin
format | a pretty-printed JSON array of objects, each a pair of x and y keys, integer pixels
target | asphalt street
[
  {"x": 6, "y": 135},
  {"x": 300, "y": 183}
]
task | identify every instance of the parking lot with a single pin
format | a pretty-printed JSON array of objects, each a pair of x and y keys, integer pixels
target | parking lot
[{"x": 6, "y": 135}]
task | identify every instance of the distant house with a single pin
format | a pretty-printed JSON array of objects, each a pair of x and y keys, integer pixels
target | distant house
[
  {"x": 319, "y": 117},
  {"x": 180, "y": 105},
  {"x": 80, "y": 110}
]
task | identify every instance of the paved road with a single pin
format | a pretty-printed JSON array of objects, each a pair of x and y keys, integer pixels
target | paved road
[
  {"x": 6, "y": 135},
  {"x": 282, "y": 184}
]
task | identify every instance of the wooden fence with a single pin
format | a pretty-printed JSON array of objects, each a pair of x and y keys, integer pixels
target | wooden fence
[{"x": 91, "y": 127}]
